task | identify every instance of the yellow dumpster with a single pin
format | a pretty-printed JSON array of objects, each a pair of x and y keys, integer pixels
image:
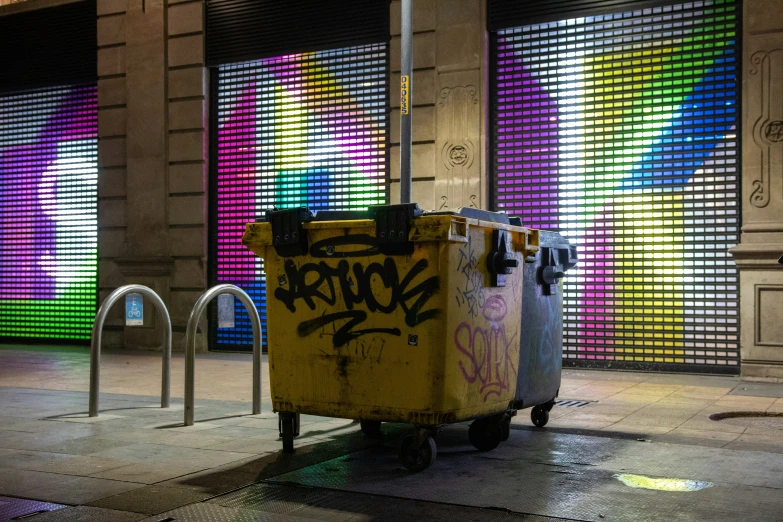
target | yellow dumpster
[{"x": 394, "y": 315}]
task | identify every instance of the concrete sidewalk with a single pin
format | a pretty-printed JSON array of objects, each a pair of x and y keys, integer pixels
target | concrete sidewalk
[
  {"x": 137, "y": 459},
  {"x": 672, "y": 408},
  {"x": 665, "y": 407}
]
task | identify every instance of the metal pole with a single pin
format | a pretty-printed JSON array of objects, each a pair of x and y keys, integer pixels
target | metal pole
[
  {"x": 406, "y": 110},
  {"x": 95, "y": 343},
  {"x": 190, "y": 346}
]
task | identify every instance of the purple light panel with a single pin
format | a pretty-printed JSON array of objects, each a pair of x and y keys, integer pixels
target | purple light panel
[
  {"x": 48, "y": 212},
  {"x": 620, "y": 131}
]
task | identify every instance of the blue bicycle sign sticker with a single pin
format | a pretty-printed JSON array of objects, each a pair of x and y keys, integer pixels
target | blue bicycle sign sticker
[
  {"x": 134, "y": 310},
  {"x": 225, "y": 311}
]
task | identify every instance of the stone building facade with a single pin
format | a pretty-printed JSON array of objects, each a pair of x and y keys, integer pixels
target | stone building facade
[
  {"x": 761, "y": 277},
  {"x": 153, "y": 150}
]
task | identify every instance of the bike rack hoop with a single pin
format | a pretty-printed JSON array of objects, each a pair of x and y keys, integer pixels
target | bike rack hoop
[
  {"x": 190, "y": 345},
  {"x": 95, "y": 343}
]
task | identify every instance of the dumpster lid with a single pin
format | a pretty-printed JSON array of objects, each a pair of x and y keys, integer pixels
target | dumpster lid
[
  {"x": 551, "y": 238},
  {"x": 348, "y": 215},
  {"x": 323, "y": 215},
  {"x": 475, "y": 213}
]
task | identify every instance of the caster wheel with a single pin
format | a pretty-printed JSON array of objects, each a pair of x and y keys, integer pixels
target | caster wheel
[
  {"x": 540, "y": 416},
  {"x": 287, "y": 425},
  {"x": 505, "y": 429},
  {"x": 417, "y": 458},
  {"x": 485, "y": 434},
  {"x": 296, "y": 425},
  {"x": 371, "y": 427}
]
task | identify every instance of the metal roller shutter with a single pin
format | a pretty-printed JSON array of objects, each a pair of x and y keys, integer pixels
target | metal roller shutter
[
  {"x": 620, "y": 130},
  {"x": 48, "y": 173},
  {"x": 48, "y": 212},
  {"x": 307, "y": 129},
  {"x": 242, "y": 30},
  {"x": 46, "y": 47}
]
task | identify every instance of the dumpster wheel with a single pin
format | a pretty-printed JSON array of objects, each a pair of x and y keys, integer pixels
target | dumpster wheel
[
  {"x": 486, "y": 433},
  {"x": 370, "y": 427},
  {"x": 540, "y": 414},
  {"x": 287, "y": 425},
  {"x": 417, "y": 451}
]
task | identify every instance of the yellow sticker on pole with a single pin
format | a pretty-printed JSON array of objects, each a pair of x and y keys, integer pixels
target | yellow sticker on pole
[{"x": 404, "y": 94}]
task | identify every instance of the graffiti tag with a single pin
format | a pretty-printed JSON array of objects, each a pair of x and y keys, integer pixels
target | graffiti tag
[
  {"x": 471, "y": 291},
  {"x": 488, "y": 350},
  {"x": 319, "y": 282}
]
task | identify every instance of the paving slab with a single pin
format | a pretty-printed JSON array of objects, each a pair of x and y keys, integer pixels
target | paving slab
[
  {"x": 15, "y": 482},
  {"x": 162, "y": 454},
  {"x": 256, "y": 446},
  {"x": 213, "y": 481},
  {"x": 242, "y": 432},
  {"x": 151, "y": 473},
  {"x": 151, "y": 499},
  {"x": 32, "y": 441},
  {"x": 214, "y": 513},
  {"x": 201, "y": 439},
  {"x": 271, "y": 502},
  {"x": 31, "y": 460},
  {"x": 567, "y": 476},
  {"x": 79, "y": 490},
  {"x": 82, "y": 465},
  {"x": 758, "y": 389},
  {"x": 85, "y": 445},
  {"x": 87, "y": 514},
  {"x": 136, "y": 435},
  {"x": 701, "y": 435},
  {"x": 84, "y": 418}
]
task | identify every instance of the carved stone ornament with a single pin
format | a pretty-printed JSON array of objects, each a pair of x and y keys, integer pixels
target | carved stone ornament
[
  {"x": 767, "y": 129},
  {"x": 459, "y": 131}
]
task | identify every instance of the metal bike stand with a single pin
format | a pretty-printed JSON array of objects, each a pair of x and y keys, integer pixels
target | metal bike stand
[
  {"x": 190, "y": 345},
  {"x": 95, "y": 343}
]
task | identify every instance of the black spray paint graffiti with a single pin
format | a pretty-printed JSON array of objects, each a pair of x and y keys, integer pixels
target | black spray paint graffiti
[
  {"x": 317, "y": 281},
  {"x": 471, "y": 291}
]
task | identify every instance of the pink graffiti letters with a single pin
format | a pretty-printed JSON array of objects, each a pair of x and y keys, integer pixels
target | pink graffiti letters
[{"x": 488, "y": 350}]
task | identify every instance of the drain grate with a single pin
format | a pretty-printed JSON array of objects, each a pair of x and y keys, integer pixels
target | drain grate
[
  {"x": 572, "y": 404},
  {"x": 22, "y": 509},
  {"x": 267, "y": 502}
]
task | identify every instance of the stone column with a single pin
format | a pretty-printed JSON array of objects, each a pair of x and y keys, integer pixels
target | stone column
[
  {"x": 152, "y": 159},
  {"x": 761, "y": 277},
  {"x": 188, "y": 121},
  {"x": 449, "y": 103}
]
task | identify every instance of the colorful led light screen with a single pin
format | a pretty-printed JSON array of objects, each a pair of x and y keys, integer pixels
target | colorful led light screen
[
  {"x": 305, "y": 129},
  {"x": 620, "y": 131},
  {"x": 48, "y": 212}
]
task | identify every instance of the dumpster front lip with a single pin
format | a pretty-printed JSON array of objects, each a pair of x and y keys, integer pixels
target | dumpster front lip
[{"x": 392, "y": 415}]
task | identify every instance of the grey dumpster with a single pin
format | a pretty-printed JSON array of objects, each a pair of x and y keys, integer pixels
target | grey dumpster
[{"x": 541, "y": 338}]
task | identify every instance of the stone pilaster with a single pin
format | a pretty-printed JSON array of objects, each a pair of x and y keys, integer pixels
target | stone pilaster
[
  {"x": 152, "y": 159},
  {"x": 112, "y": 155},
  {"x": 188, "y": 121},
  {"x": 761, "y": 277},
  {"x": 449, "y": 103}
]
